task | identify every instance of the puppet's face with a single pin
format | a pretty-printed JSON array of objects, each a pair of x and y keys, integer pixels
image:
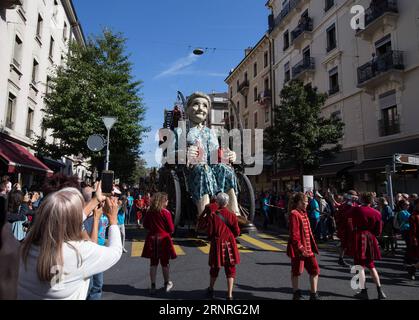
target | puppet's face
[{"x": 198, "y": 110}]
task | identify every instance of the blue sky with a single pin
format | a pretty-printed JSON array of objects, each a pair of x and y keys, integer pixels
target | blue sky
[{"x": 161, "y": 36}]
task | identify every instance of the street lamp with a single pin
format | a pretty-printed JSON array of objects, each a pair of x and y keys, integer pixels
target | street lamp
[{"x": 109, "y": 123}]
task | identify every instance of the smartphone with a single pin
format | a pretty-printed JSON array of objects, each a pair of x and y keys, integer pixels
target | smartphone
[{"x": 107, "y": 182}]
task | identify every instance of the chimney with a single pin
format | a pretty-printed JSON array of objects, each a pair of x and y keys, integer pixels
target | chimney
[{"x": 247, "y": 51}]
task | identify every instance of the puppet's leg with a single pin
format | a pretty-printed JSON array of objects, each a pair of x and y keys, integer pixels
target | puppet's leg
[
  {"x": 201, "y": 204},
  {"x": 233, "y": 204}
]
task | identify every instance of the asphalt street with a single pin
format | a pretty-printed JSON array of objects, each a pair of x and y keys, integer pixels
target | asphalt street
[{"x": 264, "y": 272}]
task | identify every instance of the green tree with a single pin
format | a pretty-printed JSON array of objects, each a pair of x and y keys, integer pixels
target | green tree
[
  {"x": 300, "y": 137},
  {"x": 97, "y": 81}
]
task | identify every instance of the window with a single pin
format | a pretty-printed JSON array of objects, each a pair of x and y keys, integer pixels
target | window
[
  {"x": 389, "y": 123},
  {"x": 266, "y": 115},
  {"x": 256, "y": 121},
  {"x": 287, "y": 72},
  {"x": 255, "y": 69},
  {"x": 238, "y": 106},
  {"x": 333, "y": 81},
  {"x": 231, "y": 92},
  {"x": 331, "y": 38},
  {"x": 246, "y": 123},
  {"x": 255, "y": 94},
  {"x": 17, "y": 53},
  {"x": 35, "y": 68},
  {"x": 286, "y": 40},
  {"x": 48, "y": 85},
  {"x": 51, "y": 48},
  {"x": 245, "y": 76},
  {"x": 65, "y": 31},
  {"x": 55, "y": 10},
  {"x": 337, "y": 115},
  {"x": 29, "y": 123},
  {"x": 329, "y": 4},
  {"x": 266, "y": 85},
  {"x": 246, "y": 102},
  {"x": 238, "y": 85},
  {"x": 265, "y": 59},
  {"x": 11, "y": 104},
  {"x": 39, "y": 27},
  {"x": 383, "y": 45}
]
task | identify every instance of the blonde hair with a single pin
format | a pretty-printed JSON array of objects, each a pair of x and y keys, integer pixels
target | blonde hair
[
  {"x": 59, "y": 220},
  {"x": 158, "y": 201}
]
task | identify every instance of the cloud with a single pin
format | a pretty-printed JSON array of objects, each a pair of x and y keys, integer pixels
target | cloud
[{"x": 179, "y": 66}]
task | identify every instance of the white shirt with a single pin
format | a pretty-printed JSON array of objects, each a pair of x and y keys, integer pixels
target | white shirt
[{"x": 77, "y": 270}]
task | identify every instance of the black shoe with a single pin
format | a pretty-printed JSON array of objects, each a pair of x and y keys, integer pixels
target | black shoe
[
  {"x": 315, "y": 296},
  {"x": 342, "y": 263},
  {"x": 210, "y": 293},
  {"x": 412, "y": 272},
  {"x": 363, "y": 295},
  {"x": 381, "y": 294},
  {"x": 297, "y": 295},
  {"x": 230, "y": 298}
]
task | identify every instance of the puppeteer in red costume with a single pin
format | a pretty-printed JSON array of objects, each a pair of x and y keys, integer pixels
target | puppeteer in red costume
[
  {"x": 302, "y": 246},
  {"x": 158, "y": 244},
  {"x": 367, "y": 226},
  {"x": 222, "y": 229}
]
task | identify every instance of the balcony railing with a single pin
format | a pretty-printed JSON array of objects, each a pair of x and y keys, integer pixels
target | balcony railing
[
  {"x": 378, "y": 9},
  {"x": 286, "y": 10},
  {"x": 244, "y": 86},
  {"x": 388, "y": 128},
  {"x": 307, "y": 64},
  {"x": 392, "y": 60},
  {"x": 305, "y": 26},
  {"x": 265, "y": 97},
  {"x": 10, "y": 4}
]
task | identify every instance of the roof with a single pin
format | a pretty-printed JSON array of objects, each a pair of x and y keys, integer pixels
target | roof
[
  {"x": 17, "y": 156},
  {"x": 265, "y": 37},
  {"x": 74, "y": 20}
]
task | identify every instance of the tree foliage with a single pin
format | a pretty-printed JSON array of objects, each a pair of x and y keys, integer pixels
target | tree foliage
[
  {"x": 97, "y": 81},
  {"x": 300, "y": 136}
]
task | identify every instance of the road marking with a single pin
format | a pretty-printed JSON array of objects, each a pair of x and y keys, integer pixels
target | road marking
[
  {"x": 260, "y": 244},
  {"x": 137, "y": 248},
  {"x": 179, "y": 250},
  {"x": 272, "y": 238}
]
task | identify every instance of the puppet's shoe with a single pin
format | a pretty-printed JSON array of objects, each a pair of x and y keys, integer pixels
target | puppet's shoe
[
  {"x": 342, "y": 263},
  {"x": 245, "y": 225},
  {"x": 210, "y": 293}
]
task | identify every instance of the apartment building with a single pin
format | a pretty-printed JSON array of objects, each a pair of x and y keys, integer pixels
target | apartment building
[
  {"x": 35, "y": 36},
  {"x": 249, "y": 87},
  {"x": 371, "y": 75},
  {"x": 218, "y": 114}
]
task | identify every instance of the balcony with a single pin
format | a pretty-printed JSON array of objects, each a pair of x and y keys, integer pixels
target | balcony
[
  {"x": 302, "y": 33},
  {"x": 244, "y": 87},
  {"x": 265, "y": 98},
  {"x": 10, "y": 4},
  {"x": 285, "y": 15},
  {"x": 388, "y": 128},
  {"x": 304, "y": 68},
  {"x": 382, "y": 69},
  {"x": 380, "y": 14}
]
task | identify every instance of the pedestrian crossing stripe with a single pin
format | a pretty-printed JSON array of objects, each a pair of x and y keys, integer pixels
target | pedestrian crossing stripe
[
  {"x": 273, "y": 239},
  {"x": 260, "y": 244},
  {"x": 179, "y": 250},
  {"x": 137, "y": 248}
]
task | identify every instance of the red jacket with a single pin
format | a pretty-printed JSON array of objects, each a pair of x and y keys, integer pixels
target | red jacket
[
  {"x": 158, "y": 243},
  {"x": 344, "y": 224},
  {"x": 297, "y": 240},
  {"x": 223, "y": 249},
  {"x": 413, "y": 252},
  {"x": 367, "y": 226}
]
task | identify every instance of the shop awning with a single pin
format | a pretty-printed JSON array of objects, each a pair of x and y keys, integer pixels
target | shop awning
[
  {"x": 51, "y": 163},
  {"x": 372, "y": 165},
  {"x": 18, "y": 158},
  {"x": 333, "y": 170}
]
